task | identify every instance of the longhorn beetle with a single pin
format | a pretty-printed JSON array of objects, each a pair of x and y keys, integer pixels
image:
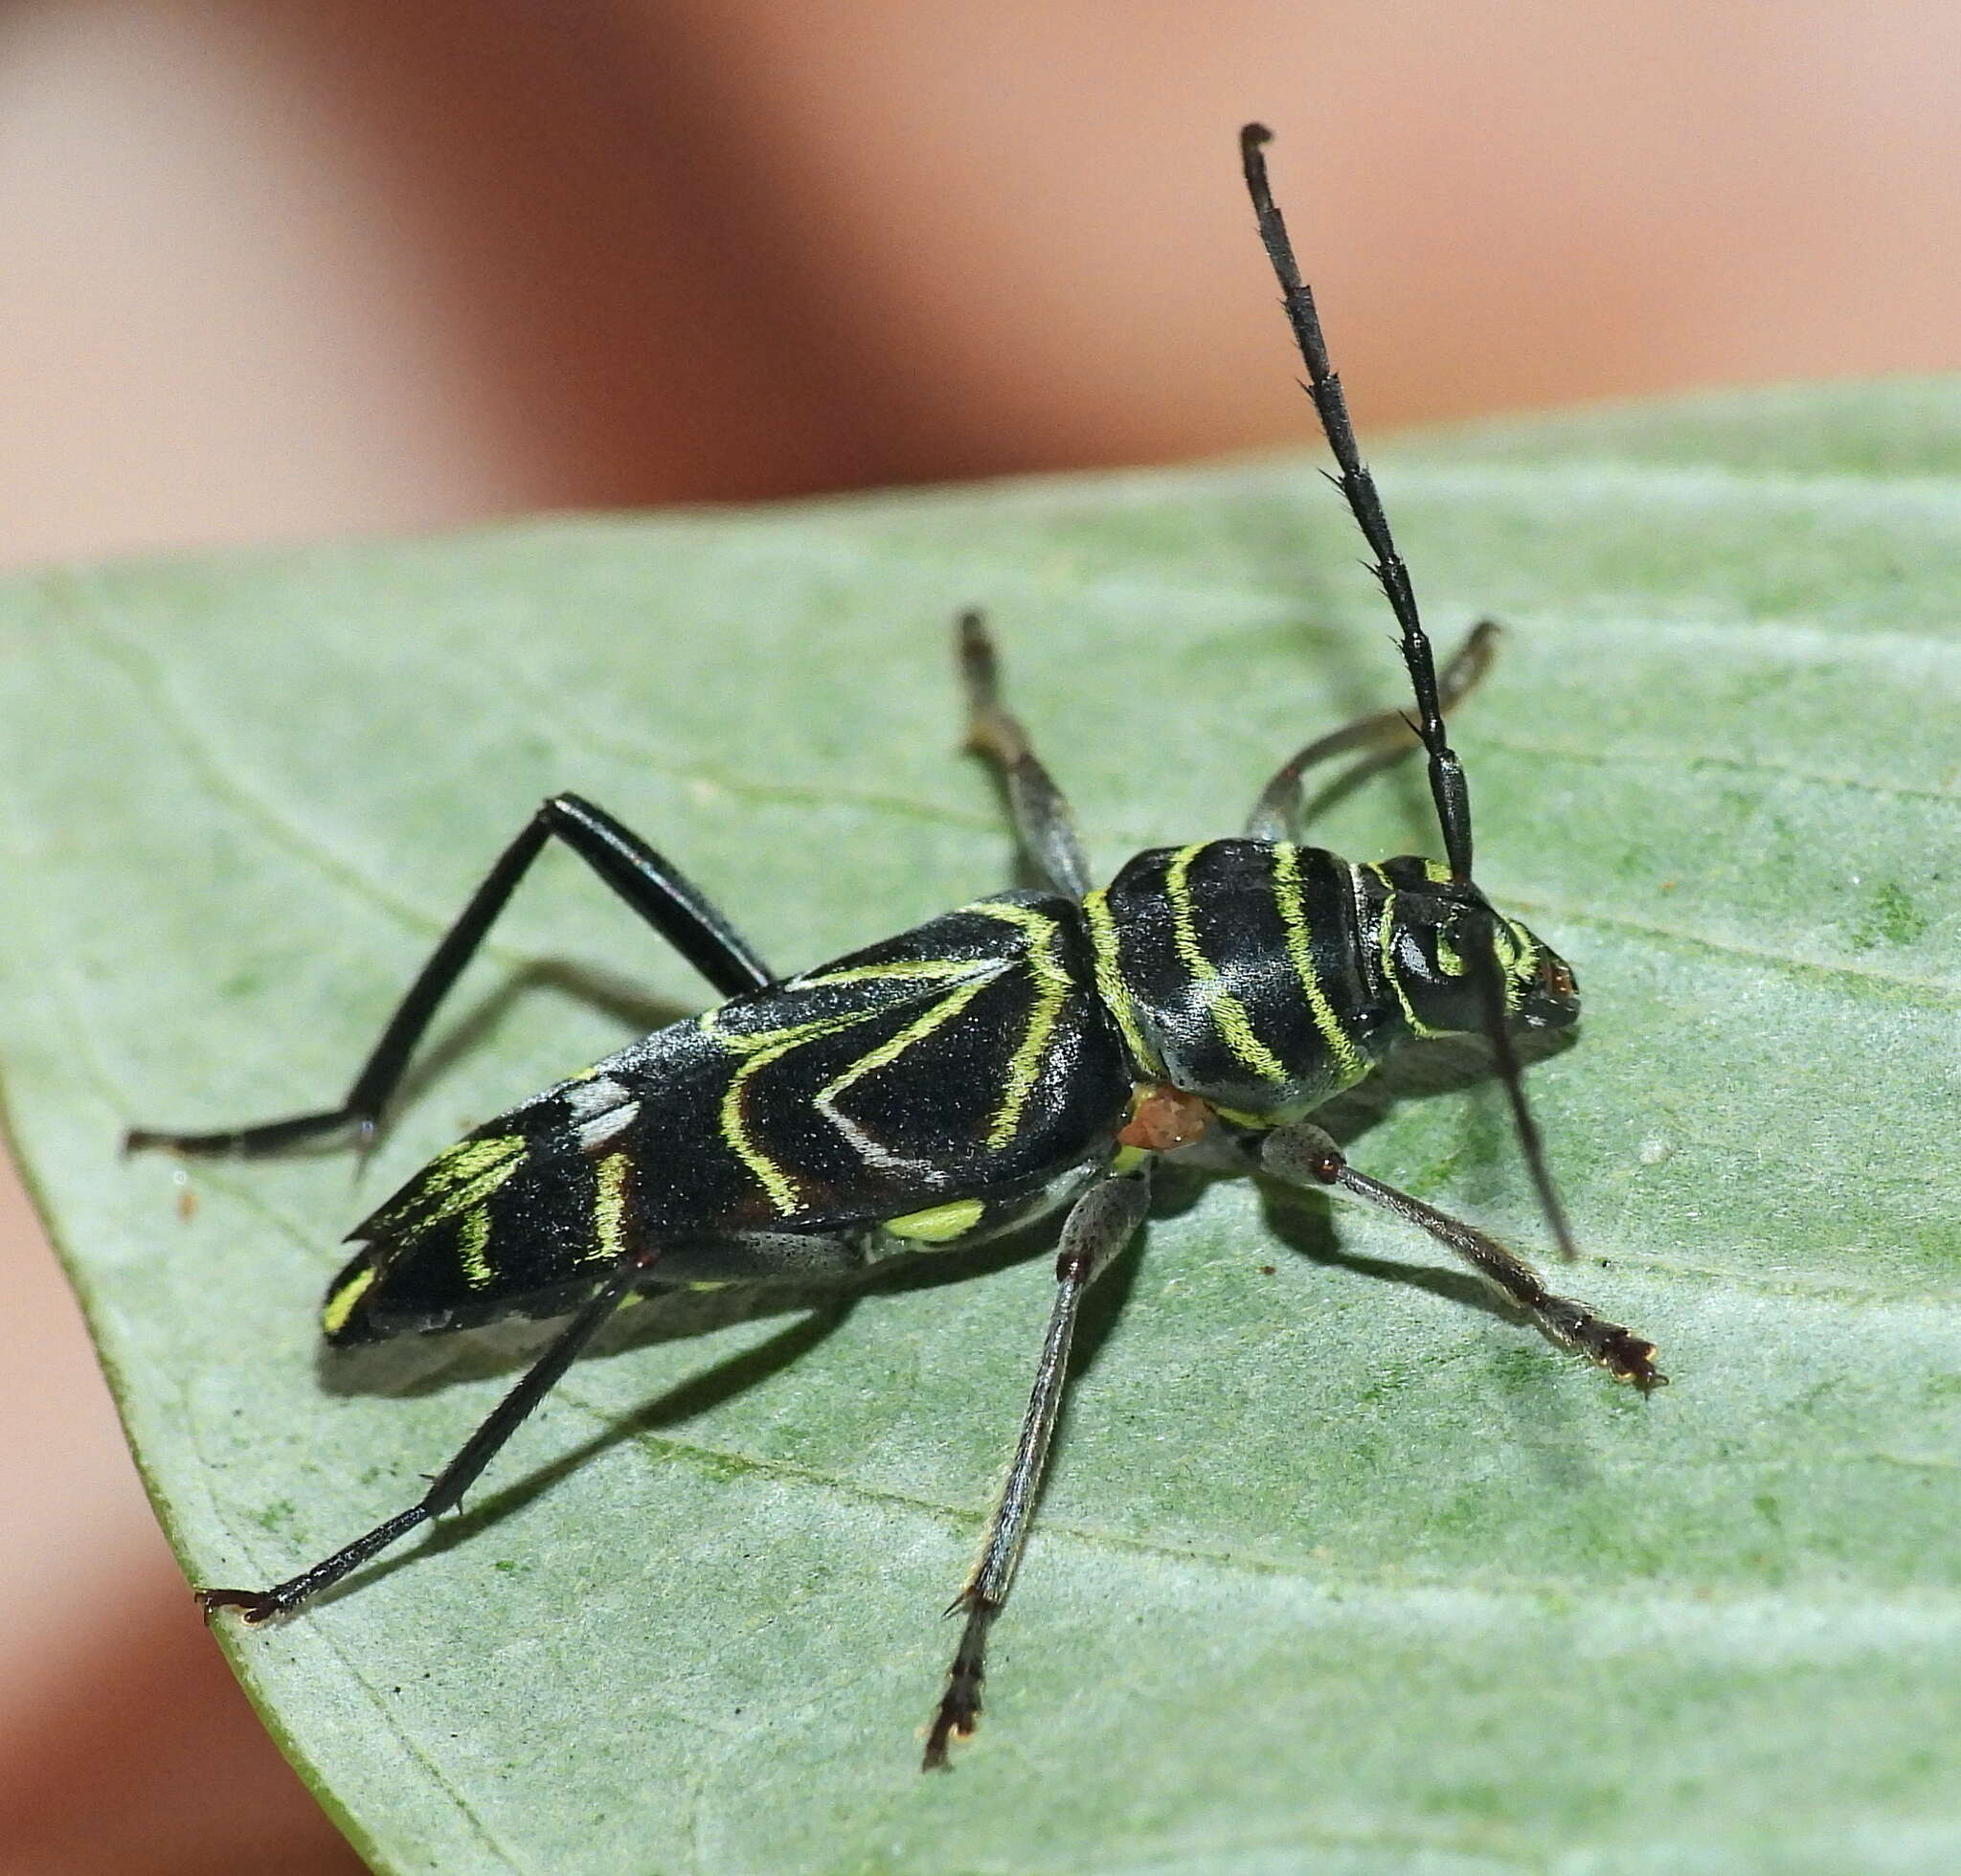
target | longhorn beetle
[{"x": 1031, "y": 1051}]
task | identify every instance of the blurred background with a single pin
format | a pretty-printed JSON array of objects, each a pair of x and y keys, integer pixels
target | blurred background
[{"x": 276, "y": 271}]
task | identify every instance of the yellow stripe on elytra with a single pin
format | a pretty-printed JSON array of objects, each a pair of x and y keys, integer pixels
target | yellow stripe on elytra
[
  {"x": 773, "y": 1180},
  {"x": 900, "y": 969},
  {"x": 457, "y": 1184},
  {"x": 1289, "y": 897},
  {"x": 1227, "y": 1013},
  {"x": 760, "y": 1048},
  {"x": 466, "y": 1175},
  {"x": 473, "y": 1248},
  {"x": 1052, "y": 986},
  {"x": 931, "y": 969},
  {"x": 338, "y": 1307},
  {"x": 893, "y": 1048},
  {"x": 1109, "y": 985},
  {"x": 609, "y": 1208},
  {"x": 758, "y": 1051}
]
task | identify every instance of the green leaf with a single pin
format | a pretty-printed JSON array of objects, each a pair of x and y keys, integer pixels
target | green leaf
[{"x": 1338, "y": 1572}]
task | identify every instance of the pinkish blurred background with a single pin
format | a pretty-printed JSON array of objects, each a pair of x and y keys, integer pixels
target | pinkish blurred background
[{"x": 279, "y": 270}]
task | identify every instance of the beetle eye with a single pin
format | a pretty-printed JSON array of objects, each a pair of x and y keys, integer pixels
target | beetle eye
[{"x": 1368, "y": 1019}]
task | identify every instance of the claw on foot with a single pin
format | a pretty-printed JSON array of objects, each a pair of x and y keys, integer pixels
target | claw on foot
[
  {"x": 1627, "y": 1356},
  {"x": 960, "y": 1707},
  {"x": 955, "y": 1720},
  {"x": 1622, "y": 1353},
  {"x": 255, "y": 1605}
]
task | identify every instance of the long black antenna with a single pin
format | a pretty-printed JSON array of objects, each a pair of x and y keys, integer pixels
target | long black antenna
[{"x": 1447, "y": 785}]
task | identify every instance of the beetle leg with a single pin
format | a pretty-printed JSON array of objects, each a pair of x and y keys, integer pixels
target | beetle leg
[
  {"x": 650, "y": 884},
  {"x": 456, "y": 1478},
  {"x": 1044, "y": 824},
  {"x": 1303, "y": 1155},
  {"x": 1101, "y": 1223},
  {"x": 1381, "y": 737}
]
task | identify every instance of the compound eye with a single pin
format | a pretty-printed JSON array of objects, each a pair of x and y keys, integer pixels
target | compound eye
[{"x": 1370, "y": 1018}]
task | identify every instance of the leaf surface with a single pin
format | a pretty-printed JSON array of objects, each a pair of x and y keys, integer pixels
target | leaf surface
[{"x": 1339, "y": 1569}]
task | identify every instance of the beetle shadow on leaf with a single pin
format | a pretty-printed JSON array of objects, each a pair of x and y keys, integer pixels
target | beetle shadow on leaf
[
  {"x": 679, "y": 1314},
  {"x": 692, "y": 1396},
  {"x": 674, "y": 1314},
  {"x": 611, "y": 995}
]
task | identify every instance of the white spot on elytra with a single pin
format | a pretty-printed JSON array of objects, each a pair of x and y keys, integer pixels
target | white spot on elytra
[
  {"x": 598, "y": 1096},
  {"x": 608, "y": 1126}
]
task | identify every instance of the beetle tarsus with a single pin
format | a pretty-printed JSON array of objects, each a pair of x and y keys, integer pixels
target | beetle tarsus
[
  {"x": 960, "y": 1707},
  {"x": 253, "y": 1606}
]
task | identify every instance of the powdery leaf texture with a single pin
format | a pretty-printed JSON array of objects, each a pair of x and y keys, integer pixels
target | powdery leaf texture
[{"x": 1340, "y": 1569}]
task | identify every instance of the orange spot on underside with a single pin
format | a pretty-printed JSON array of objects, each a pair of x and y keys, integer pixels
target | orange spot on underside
[{"x": 1163, "y": 1117}]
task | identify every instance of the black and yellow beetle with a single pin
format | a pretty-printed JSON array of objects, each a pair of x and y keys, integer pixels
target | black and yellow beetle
[{"x": 1029, "y": 1052}]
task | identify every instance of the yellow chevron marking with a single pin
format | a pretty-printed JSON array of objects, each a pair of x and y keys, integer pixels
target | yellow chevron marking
[
  {"x": 338, "y": 1307},
  {"x": 893, "y": 1048},
  {"x": 1292, "y": 902},
  {"x": 1052, "y": 987},
  {"x": 774, "y": 1181},
  {"x": 759, "y": 1049},
  {"x": 1227, "y": 1013},
  {"x": 465, "y": 1176},
  {"x": 938, "y": 1224},
  {"x": 967, "y": 979},
  {"x": 1110, "y": 983}
]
